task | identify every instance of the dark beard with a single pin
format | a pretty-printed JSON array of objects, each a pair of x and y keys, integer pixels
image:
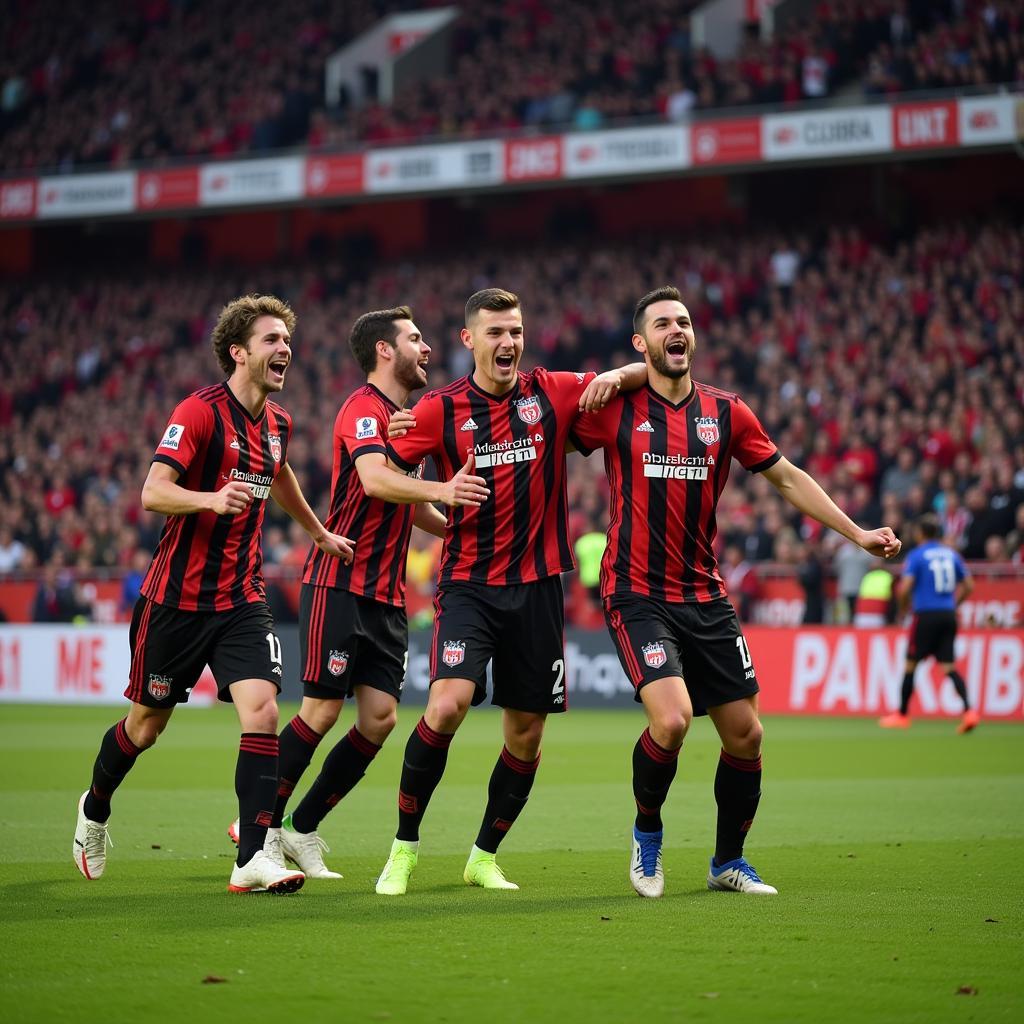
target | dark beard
[
  {"x": 660, "y": 365},
  {"x": 407, "y": 373}
]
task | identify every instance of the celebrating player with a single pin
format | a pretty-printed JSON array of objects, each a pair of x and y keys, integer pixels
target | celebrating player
[
  {"x": 668, "y": 449},
  {"x": 352, "y": 624},
  {"x": 935, "y": 581},
  {"x": 499, "y": 596},
  {"x": 203, "y": 599}
]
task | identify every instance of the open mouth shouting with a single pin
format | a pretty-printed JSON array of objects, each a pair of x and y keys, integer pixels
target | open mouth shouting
[
  {"x": 504, "y": 361},
  {"x": 676, "y": 349},
  {"x": 276, "y": 369}
]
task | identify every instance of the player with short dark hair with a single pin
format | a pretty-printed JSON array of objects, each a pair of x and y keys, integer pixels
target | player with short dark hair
[
  {"x": 353, "y": 632},
  {"x": 499, "y": 597},
  {"x": 668, "y": 449},
  {"x": 223, "y": 454},
  {"x": 935, "y": 581}
]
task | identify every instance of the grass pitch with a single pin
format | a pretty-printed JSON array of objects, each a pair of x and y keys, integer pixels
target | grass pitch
[{"x": 898, "y": 857}]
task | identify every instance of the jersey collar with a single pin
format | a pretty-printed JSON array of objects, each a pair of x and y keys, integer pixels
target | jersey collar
[
  {"x": 389, "y": 401},
  {"x": 238, "y": 405},
  {"x": 508, "y": 396},
  {"x": 651, "y": 393}
]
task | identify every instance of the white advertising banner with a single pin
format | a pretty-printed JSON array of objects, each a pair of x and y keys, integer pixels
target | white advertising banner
[
  {"x": 240, "y": 182},
  {"x": 845, "y": 132},
  {"x": 84, "y": 195},
  {"x": 626, "y": 151},
  {"x": 989, "y": 120},
  {"x": 71, "y": 665},
  {"x": 424, "y": 168}
]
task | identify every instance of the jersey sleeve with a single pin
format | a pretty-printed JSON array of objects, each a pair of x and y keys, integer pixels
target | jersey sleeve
[
  {"x": 564, "y": 389},
  {"x": 187, "y": 432},
  {"x": 361, "y": 427},
  {"x": 424, "y": 439},
  {"x": 750, "y": 442},
  {"x": 960, "y": 567},
  {"x": 593, "y": 430}
]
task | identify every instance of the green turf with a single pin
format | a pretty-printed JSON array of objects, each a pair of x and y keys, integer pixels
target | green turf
[{"x": 898, "y": 857}]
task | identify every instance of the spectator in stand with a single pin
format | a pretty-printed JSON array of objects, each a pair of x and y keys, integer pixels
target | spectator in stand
[
  {"x": 57, "y": 598},
  {"x": 12, "y": 551},
  {"x": 741, "y": 581},
  {"x": 849, "y": 566}
]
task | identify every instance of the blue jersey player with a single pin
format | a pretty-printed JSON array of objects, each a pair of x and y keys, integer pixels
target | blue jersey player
[{"x": 934, "y": 582}]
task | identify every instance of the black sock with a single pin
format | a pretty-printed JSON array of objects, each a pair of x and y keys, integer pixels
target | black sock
[
  {"x": 255, "y": 785},
  {"x": 115, "y": 760},
  {"x": 907, "y": 692},
  {"x": 345, "y": 765},
  {"x": 961, "y": 688},
  {"x": 507, "y": 793},
  {"x": 737, "y": 792},
  {"x": 426, "y": 754},
  {"x": 654, "y": 768},
  {"x": 297, "y": 745}
]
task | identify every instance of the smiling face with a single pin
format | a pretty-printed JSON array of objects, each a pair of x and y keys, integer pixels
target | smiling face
[
  {"x": 266, "y": 355},
  {"x": 667, "y": 341},
  {"x": 495, "y": 337},
  {"x": 411, "y": 355}
]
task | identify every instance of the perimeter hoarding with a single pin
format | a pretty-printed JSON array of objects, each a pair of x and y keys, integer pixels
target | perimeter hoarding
[{"x": 820, "y": 670}]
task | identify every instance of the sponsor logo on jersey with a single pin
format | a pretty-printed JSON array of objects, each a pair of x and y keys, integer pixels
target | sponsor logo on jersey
[
  {"x": 172, "y": 436},
  {"x": 645, "y": 428},
  {"x": 469, "y": 425},
  {"x": 707, "y": 429},
  {"x": 337, "y": 662},
  {"x": 454, "y": 652},
  {"x": 529, "y": 410},
  {"x": 654, "y": 654},
  {"x": 258, "y": 483},
  {"x": 676, "y": 467},
  {"x": 159, "y": 686},
  {"x": 275, "y": 446},
  {"x": 505, "y": 452},
  {"x": 366, "y": 426}
]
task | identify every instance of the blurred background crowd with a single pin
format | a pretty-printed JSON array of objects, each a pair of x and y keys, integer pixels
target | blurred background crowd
[
  {"x": 112, "y": 82},
  {"x": 892, "y": 370}
]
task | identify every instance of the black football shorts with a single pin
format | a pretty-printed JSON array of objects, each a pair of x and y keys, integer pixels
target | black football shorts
[
  {"x": 701, "y": 642},
  {"x": 517, "y": 628},
  {"x": 170, "y": 648},
  {"x": 346, "y": 640},
  {"x": 932, "y": 633}
]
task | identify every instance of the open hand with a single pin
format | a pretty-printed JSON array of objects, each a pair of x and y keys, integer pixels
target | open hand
[{"x": 464, "y": 488}]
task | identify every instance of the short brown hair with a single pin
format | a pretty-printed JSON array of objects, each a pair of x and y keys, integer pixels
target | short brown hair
[
  {"x": 930, "y": 527},
  {"x": 496, "y": 299},
  {"x": 234, "y": 325},
  {"x": 666, "y": 291},
  {"x": 377, "y": 325}
]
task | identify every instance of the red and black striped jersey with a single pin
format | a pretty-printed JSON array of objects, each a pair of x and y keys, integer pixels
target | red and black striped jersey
[
  {"x": 520, "y": 534},
  {"x": 206, "y": 562},
  {"x": 380, "y": 530},
  {"x": 667, "y": 466}
]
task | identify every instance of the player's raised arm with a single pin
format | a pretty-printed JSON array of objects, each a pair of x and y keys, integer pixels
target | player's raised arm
[
  {"x": 287, "y": 493},
  {"x": 803, "y": 492},
  {"x": 605, "y": 386}
]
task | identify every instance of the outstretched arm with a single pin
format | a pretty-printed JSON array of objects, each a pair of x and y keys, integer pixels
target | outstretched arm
[
  {"x": 287, "y": 493},
  {"x": 380, "y": 479},
  {"x": 605, "y": 386},
  {"x": 803, "y": 492}
]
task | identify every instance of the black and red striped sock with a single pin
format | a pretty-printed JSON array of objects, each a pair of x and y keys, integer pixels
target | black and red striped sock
[
  {"x": 344, "y": 766},
  {"x": 426, "y": 754},
  {"x": 737, "y": 792},
  {"x": 507, "y": 793},
  {"x": 255, "y": 785},
  {"x": 654, "y": 768},
  {"x": 297, "y": 744},
  {"x": 115, "y": 760}
]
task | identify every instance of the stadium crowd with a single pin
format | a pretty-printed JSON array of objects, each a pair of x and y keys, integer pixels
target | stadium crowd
[
  {"x": 117, "y": 82},
  {"x": 893, "y": 373}
]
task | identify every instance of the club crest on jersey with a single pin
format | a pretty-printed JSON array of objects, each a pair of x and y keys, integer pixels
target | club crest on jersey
[
  {"x": 529, "y": 410},
  {"x": 707, "y": 429},
  {"x": 654, "y": 654},
  {"x": 454, "y": 652},
  {"x": 337, "y": 662},
  {"x": 275, "y": 446},
  {"x": 159, "y": 687}
]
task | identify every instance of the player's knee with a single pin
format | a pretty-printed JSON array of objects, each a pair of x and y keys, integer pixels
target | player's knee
[
  {"x": 262, "y": 718},
  {"x": 377, "y": 728},
  {"x": 751, "y": 740},
  {"x": 446, "y": 714},
  {"x": 147, "y": 732},
  {"x": 669, "y": 729},
  {"x": 322, "y": 715},
  {"x": 524, "y": 738}
]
